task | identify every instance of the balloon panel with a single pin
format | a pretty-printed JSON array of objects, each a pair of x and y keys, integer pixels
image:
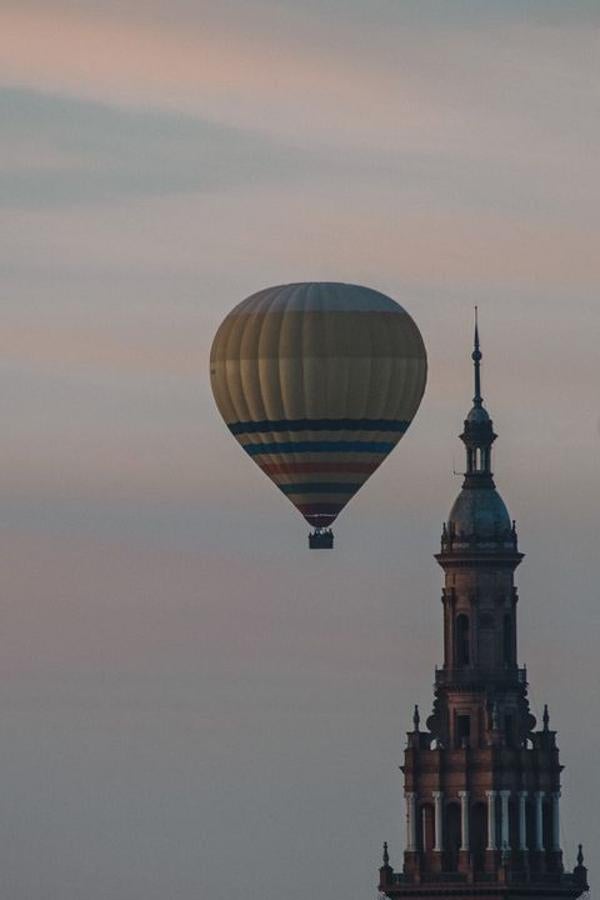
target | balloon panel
[{"x": 318, "y": 383}]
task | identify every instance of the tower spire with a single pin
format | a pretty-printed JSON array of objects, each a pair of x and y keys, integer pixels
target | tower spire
[
  {"x": 386, "y": 855},
  {"x": 478, "y": 435},
  {"x": 476, "y": 357}
]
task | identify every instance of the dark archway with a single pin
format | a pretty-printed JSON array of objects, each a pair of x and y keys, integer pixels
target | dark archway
[
  {"x": 479, "y": 834},
  {"x": 547, "y": 823},
  {"x": 513, "y": 827},
  {"x": 453, "y": 839},
  {"x": 530, "y": 824},
  {"x": 427, "y": 827}
]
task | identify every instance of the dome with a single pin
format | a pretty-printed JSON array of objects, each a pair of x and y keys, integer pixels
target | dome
[
  {"x": 480, "y": 514},
  {"x": 478, "y": 416}
]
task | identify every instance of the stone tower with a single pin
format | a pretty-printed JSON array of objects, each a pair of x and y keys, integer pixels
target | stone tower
[{"x": 482, "y": 784}]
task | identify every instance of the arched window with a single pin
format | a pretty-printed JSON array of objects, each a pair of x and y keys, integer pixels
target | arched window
[
  {"x": 507, "y": 640},
  {"x": 463, "y": 730},
  {"x": 463, "y": 654}
]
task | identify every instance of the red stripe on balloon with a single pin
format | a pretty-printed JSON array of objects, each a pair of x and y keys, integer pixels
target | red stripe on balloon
[
  {"x": 320, "y": 515},
  {"x": 325, "y": 508},
  {"x": 291, "y": 468}
]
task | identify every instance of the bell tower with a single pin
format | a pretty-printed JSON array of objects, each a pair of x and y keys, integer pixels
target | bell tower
[{"x": 482, "y": 781}]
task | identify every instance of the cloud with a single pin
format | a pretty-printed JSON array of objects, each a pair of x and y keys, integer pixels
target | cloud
[
  {"x": 61, "y": 151},
  {"x": 399, "y": 80},
  {"x": 460, "y": 112}
]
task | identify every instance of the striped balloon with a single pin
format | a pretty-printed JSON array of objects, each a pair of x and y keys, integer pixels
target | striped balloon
[{"x": 318, "y": 382}]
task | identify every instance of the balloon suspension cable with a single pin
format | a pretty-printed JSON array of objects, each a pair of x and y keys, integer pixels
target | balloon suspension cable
[{"x": 321, "y": 539}]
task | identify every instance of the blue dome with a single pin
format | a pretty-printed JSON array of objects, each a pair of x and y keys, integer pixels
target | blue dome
[
  {"x": 478, "y": 416},
  {"x": 480, "y": 514}
]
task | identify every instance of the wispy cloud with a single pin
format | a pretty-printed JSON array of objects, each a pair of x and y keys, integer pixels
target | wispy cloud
[
  {"x": 470, "y": 83},
  {"x": 61, "y": 151}
]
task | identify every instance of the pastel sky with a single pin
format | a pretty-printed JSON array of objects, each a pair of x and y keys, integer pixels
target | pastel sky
[{"x": 192, "y": 705}]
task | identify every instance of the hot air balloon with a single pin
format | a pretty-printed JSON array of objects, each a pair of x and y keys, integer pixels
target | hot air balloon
[{"x": 318, "y": 381}]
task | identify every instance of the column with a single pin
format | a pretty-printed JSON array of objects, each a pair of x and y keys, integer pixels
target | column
[
  {"x": 539, "y": 820},
  {"x": 523, "y": 820},
  {"x": 505, "y": 834},
  {"x": 491, "y": 800},
  {"x": 438, "y": 797},
  {"x": 411, "y": 823},
  {"x": 464, "y": 819},
  {"x": 556, "y": 821}
]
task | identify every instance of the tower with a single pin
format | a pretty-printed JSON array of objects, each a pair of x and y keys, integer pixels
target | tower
[{"x": 482, "y": 782}]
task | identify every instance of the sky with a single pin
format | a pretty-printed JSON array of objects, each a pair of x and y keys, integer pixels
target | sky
[{"x": 193, "y": 705}]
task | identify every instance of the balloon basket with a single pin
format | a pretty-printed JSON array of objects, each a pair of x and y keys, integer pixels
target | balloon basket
[{"x": 321, "y": 539}]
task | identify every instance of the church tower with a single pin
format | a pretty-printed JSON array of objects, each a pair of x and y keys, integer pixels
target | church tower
[{"x": 482, "y": 782}]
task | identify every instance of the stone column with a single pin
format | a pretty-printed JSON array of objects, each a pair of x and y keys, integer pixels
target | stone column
[
  {"x": 505, "y": 835},
  {"x": 539, "y": 820},
  {"x": 523, "y": 820},
  {"x": 491, "y": 801},
  {"x": 556, "y": 821},
  {"x": 411, "y": 823},
  {"x": 464, "y": 819},
  {"x": 438, "y": 797}
]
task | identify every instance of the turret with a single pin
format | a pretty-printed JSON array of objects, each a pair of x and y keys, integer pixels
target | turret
[
  {"x": 479, "y": 555},
  {"x": 479, "y": 522}
]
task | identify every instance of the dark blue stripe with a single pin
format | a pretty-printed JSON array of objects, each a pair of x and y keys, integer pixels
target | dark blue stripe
[
  {"x": 319, "y": 447},
  {"x": 275, "y": 425},
  {"x": 319, "y": 488}
]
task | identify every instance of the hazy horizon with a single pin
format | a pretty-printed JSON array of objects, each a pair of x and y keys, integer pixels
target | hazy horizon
[{"x": 192, "y": 703}]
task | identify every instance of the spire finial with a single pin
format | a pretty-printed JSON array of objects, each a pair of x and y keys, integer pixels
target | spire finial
[
  {"x": 416, "y": 719},
  {"x": 386, "y": 855},
  {"x": 546, "y": 717},
  {"x": 476, "y": 357},
  {"x": 580, "y": 855}
]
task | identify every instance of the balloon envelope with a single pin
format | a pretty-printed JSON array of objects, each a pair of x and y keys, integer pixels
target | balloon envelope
[{"x": 318, "y": 382}]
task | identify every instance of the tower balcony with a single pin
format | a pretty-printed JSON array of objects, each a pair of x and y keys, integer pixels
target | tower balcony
[{"x": 521, "y": 882}]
